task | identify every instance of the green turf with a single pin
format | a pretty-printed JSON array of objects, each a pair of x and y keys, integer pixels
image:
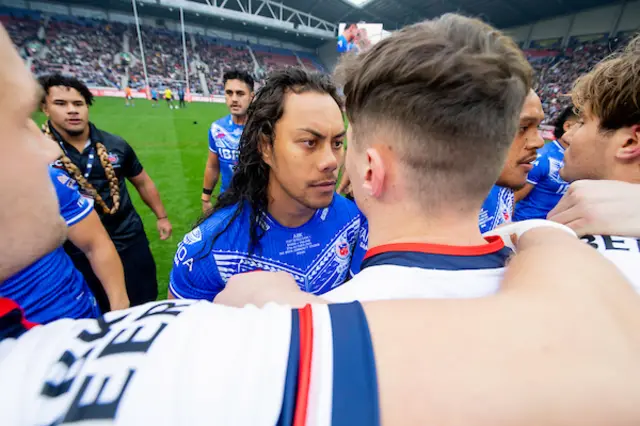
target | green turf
[{"x": 172, "y": 147}]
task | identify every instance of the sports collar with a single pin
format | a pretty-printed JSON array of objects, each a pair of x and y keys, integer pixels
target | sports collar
[
  {"x": 557, "y": 144},
  {"x": 440, "y": 256}
]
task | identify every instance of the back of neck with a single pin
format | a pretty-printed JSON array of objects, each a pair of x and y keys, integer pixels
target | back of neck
[{"x": 450, "y": 229}]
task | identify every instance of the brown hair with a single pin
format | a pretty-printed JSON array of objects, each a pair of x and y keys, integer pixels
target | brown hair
[
  {"x": 447, "y": 94},
  {"x": 611, "y": 91},
  {"x": 75, "y": 172}
]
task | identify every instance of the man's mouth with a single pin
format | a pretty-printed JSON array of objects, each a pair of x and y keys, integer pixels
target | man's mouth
[
  {"x": 529, "y": 160},
  {"x": 324, "y": 184}
]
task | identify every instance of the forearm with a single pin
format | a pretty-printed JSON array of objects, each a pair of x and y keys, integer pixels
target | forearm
[
  {"x": 210, "y": 180},
  {"x": 106, "y": 265},
  {"x": 151, "y": 197}
]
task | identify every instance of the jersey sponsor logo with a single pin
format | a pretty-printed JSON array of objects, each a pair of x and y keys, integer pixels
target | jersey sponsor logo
[
  {"x": 229, "y": 154},
  {"x": 604, "y": 243},
  {"x": 193, "y": 237},
  {"x": 63, "y": 179}
]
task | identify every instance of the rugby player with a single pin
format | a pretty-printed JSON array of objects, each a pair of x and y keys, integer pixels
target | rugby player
[
  {"x": 498, "y": 208},
  {"x": 347, "y": 40},
  {"x": 168, "y": 96},
  {"x": 277, "y": 366},
  {"x": 101, "y": 162},
  {"x": 544, "y": 186},
  {"x": 280, "y": 212},
  {"x": 154, "y": 97},
  {"x": 605, "y": 143},
  {"x": 224, "y": 134},
  {"x": 433, "y": 172},
  {"x": 52, "y": 288}
]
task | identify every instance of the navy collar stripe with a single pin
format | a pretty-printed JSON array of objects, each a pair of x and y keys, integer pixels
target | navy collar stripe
[{"x": 443, "y": 262}]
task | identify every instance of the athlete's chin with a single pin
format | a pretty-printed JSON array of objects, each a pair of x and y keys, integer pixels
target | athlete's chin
[{"x": 319, "y": 202}]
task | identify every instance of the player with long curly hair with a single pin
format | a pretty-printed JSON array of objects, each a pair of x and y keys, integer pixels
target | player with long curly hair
[{"x": 280, "y": 211}]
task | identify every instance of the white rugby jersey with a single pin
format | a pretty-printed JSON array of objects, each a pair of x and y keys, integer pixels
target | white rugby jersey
[
  {"x": 426, "y": 271},
  {"x": 624, "y": 252},
  {"x": 190, "y": 363}
]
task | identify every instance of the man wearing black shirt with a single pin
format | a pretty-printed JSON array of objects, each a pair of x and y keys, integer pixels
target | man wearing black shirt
[{"x": 101, "y": 162}]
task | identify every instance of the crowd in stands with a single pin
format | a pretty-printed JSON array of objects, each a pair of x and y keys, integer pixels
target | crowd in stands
[
  {"x": 557, "y": 70},
  {"x": 91, "y": 50}
]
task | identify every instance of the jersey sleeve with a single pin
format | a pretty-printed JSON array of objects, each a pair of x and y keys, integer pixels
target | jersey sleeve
[
  {"x": 73, "y": 206},
  {"x": 540, "y": 169},
  {"x": 132, "y": 166},
  {"x": 195, "y": 274},
  {"x": 212, "y": 141}
]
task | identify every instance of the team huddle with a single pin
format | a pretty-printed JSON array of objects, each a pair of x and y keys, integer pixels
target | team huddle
[{"x": 451, "y": 201}]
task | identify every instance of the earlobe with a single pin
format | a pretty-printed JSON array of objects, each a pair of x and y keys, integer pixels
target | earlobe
[{"x": 630, "y": 151}]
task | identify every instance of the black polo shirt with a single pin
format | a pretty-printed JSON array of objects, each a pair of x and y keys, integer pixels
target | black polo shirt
[{"x": 125, "y": 226}]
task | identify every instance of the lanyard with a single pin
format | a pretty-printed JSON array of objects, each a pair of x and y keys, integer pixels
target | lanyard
[{"x": 90, "y": 160}]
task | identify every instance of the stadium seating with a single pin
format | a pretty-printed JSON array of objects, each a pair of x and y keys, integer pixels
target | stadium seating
[{"x": 89, "y": 49}]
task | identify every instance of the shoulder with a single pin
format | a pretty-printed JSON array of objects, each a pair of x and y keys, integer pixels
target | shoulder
[
  {"x": 219, "y": 220},
  {"x": 345, "y": 206},
  {"x": 108, "y": 139},
  {"x": 62, "y": 182}
]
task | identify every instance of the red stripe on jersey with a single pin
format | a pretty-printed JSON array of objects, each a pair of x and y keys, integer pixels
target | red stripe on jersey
[
  {"x": 304, "y": 370},
  {"x": 8, "y": 305},
  {"x": 494, "y": 244}
]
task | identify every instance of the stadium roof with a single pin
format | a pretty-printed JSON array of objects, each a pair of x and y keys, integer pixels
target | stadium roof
[
  {"x": 392, "y": 14},
  {"x": 397, "y": 13}
]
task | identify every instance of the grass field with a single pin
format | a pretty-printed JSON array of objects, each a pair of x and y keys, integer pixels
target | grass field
[{"x": 172, "y": 147}]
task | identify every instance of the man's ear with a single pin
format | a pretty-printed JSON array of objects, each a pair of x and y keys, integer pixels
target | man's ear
[
  {"x": 567, "y": 125},
  {"x": 630, "y": 148},
  {"x": 266, "y": 149},
  {"x": 375, "y": 173}
]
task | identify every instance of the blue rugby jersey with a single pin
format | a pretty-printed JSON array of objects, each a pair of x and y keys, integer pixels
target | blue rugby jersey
[
  {"x": 548, "y": 188},
  {"x": 52, "y": 288},
  {"x": 317, "y": 254},
  {"x": 224, "y": 140},
  {"x": 497, "y": 208}
]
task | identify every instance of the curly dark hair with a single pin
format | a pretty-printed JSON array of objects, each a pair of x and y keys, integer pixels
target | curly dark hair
[
  {"x": 239, "y": 75},
  {"x": 569, "y": 113},
  {"x": 53, "y": 80},
  {"x": 248, "y": 187}
]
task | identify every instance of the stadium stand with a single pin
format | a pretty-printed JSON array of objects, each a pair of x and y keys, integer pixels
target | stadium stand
[{"x": 91, "y": 49}]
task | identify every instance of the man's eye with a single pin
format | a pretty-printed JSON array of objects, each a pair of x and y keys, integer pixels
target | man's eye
[
  {"x": 338, "y": 143},
  {"x": 309, "y": 143}
]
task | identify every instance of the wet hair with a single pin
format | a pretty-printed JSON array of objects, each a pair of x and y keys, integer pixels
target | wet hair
[
  {"x": 569, "y": 113},
  {"x": 243, "y": 76},
  {"x": 53, "y": 80},
  {"x": 248, "y": 187}
]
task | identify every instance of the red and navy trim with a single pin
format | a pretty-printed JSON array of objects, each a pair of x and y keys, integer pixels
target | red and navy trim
[
  {"x": 355, "y": 385},
  {"x": 12, "y": 321},
  {"x": 494, "y": 254}
]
